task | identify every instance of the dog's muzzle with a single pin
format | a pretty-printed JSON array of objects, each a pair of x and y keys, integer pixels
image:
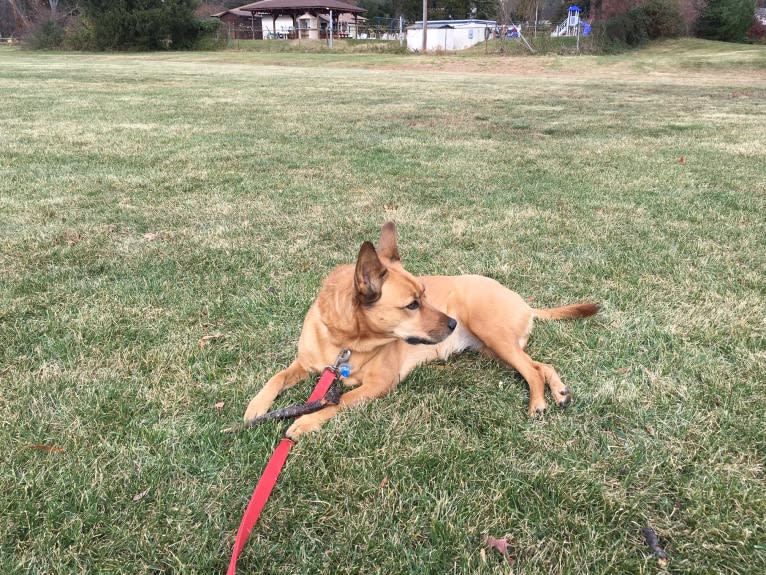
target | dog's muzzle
[{"x": 451, "y": 325}]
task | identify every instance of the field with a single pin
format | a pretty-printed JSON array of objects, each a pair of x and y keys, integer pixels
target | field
[{"x": 167, "y": 220}]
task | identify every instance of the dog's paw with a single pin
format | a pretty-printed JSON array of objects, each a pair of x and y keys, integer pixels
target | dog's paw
[
  {"x": 537, "y": 409},
  {"x": 304, "y": 424},
  {"x": 255, "y": 408},
  {"x": 563, "y": 398}
]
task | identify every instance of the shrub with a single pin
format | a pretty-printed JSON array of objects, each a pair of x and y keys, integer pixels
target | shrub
[
  {"x": 650, "y": 20},
  {"x": 664, "y": 18},
  {"x": 47, "y": 36},
  {"x": 626, "y": 30},
  {"x": 209, "y": 37},
  {"x": 757, "y": 33}
]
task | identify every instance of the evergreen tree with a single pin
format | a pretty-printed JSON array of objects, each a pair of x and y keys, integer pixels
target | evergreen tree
[
  {"x": 726, "y": 20},
  {"x": 141, "y": 24}
]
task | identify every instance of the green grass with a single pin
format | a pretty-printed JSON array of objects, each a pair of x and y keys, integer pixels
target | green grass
[{"x": 150, "y": 200}]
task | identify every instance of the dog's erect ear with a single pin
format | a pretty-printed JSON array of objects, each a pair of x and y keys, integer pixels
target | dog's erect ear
[
  {"x": 387, "y": 245},
  {"x": 369, "y": 275}
]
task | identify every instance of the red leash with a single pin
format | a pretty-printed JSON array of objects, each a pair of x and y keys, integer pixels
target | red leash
[{"x": 274, "y": 467}]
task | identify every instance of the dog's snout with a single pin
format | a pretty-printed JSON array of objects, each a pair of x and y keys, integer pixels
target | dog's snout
[{"x": 452, "y": 324}]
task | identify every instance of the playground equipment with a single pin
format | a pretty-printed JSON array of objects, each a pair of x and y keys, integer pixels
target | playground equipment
[{"x": 573, "y": 25}]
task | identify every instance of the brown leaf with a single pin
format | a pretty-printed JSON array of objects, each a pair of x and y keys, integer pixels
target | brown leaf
[
  {"x": 219, "y": 405},
  {"x": 204, "y": 340},
  {"x": 140, "y": 496},
  {"x": 384, "y": 482},
  {"x": 502, "y": 546},
  {"x": 624, "y": 370},
  {"x": 682, "y": 160}
]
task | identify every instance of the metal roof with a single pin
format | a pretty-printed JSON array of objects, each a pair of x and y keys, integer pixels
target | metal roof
[{"x": 277, "y": 5}]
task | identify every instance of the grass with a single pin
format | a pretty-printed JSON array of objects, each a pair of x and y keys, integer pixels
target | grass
[{"x": 151, "y": 200}]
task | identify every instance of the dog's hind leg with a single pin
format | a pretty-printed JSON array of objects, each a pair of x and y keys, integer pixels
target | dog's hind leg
[
  {"x": 284, "y": 379},
  {"x": 508, "y": 350}
]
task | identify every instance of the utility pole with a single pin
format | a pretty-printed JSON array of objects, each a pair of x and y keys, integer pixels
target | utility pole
[{"x": 425, "y": 25}]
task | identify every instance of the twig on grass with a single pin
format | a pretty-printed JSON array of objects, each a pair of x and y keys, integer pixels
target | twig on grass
[{"x": 653, "y": 542}]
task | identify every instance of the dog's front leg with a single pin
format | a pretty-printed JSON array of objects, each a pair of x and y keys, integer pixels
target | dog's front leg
[
  {"x": 286, "y": 378},
  {"x": 313, "y": 421}
]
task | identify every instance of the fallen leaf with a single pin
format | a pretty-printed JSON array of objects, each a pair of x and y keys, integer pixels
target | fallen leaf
[
  {"x": 502, "y": 546},
  {"x": 140, "y": 496},
  {"x": 623, "y": 370},
  {"x": 48, "y": 448},
  {"x": 204, "y": 340},
  {"x": 682, "y": 160},
  {"x": 384, "y": 482},
  {"x": 219, "y": 405}
]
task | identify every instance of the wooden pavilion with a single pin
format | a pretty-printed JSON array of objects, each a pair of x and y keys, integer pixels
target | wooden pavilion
[{"x": 320, "y": 10}]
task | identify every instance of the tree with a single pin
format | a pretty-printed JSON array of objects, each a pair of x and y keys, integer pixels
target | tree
[
  {"x": 726, "y": 20},
  {"x": 141, "y": 24}
]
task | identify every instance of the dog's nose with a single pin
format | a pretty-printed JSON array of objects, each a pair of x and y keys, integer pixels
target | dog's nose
[{"x": 452, "y": 324}]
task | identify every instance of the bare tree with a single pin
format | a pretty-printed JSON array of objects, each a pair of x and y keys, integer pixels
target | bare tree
[{"x": 518, "y": 10}]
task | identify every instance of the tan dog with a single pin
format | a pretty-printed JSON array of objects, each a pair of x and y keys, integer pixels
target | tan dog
[{"x": 393, "y": 321}]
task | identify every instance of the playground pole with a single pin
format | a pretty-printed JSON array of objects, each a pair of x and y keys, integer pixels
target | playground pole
[{"x": 578, "y": 36}]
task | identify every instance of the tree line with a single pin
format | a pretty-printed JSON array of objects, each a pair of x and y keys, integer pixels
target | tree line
[{"x": 181, "y": 24}]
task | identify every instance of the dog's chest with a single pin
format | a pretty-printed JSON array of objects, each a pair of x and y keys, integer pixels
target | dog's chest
[{"x": 460, "y": 340}]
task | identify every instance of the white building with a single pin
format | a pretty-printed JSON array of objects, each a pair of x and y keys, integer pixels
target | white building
[{"x": 449, "y": 35}]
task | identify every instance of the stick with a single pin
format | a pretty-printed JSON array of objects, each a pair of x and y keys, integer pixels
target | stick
[{"x": 331, "y": 398}]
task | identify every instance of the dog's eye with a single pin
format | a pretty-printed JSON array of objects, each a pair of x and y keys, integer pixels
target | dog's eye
[{"x": 414, "y": 305}]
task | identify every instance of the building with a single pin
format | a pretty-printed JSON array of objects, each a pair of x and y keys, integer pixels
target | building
[
  {"x": 240, "y": 25},
  {"x": 449, "y": 35},
  {"x": 309, "y": 19}
]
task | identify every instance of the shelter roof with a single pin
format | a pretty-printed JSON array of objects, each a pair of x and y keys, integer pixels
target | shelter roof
[
  {"x": 303, "y": 5},
  {"x": 235, "y": 11}
]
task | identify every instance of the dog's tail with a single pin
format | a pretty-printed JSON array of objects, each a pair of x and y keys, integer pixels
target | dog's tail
[{"x": 568, "y": 311}]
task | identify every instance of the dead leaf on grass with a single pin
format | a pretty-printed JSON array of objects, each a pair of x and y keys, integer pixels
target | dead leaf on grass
[
  {"x": 502, "y": 546},
  {"x": 219, "y": 405},
  {"x": 205, "y": 339},
  {"x": 140, "y": 496}
]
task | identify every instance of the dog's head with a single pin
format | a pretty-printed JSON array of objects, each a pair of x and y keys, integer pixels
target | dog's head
[{"x": 392, "y": 300}]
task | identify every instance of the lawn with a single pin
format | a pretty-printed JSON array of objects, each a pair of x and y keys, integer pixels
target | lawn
[{"x": 168, "y": 218}]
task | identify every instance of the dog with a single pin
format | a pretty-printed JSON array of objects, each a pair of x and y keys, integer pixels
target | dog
[{"x": 393, "y": 321}]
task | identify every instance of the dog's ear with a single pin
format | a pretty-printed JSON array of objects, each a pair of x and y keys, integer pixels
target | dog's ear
[
  {"x": 369, "y": 275},
  {"x": 387, "y": 247}
]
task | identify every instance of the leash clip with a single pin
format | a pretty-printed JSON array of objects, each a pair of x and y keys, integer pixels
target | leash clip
[{"x": 341, "y": 366}]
